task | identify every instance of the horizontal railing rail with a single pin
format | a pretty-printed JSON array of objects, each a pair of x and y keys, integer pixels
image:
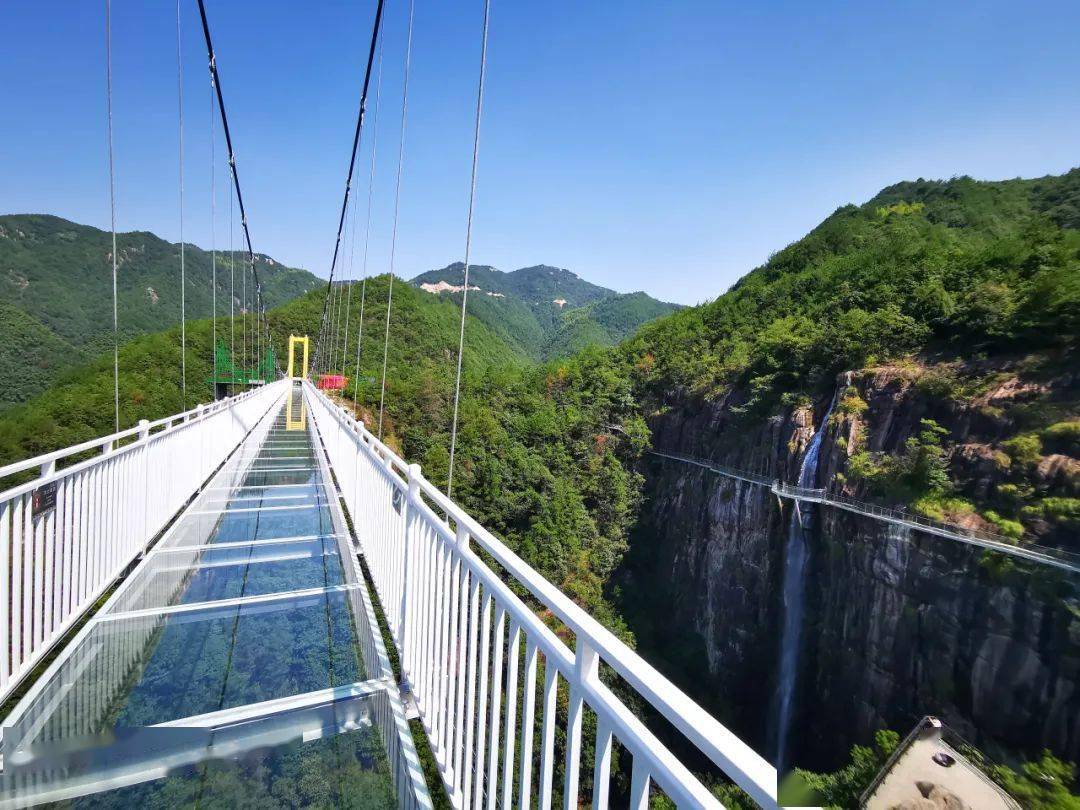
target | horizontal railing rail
[
  {"x": 471, "y": 652},
  {"x": 67, "y": 535}
]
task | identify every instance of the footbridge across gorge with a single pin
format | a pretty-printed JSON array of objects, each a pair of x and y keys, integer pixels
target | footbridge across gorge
[
  {"x": 188, "y": 614},
  {"x": 1056, "y": 558}
]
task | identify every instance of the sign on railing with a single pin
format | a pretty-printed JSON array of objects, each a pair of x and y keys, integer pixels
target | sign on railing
[{"x": 67, "y": 535}]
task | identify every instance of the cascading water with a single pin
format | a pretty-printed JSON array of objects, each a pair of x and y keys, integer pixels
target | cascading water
[{"x": 794, "y": 586}]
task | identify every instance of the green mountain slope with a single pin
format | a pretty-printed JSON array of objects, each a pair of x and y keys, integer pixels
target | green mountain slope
[
  {"x": 960, "y": 265},
  {"x": 421, "y": 363},
  {"x": 603, "y": 323},
  {"x": 59, "y": 274},
  {"x": 546, "y": 311}
]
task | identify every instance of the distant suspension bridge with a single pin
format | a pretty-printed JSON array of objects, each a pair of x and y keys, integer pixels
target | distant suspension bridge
[{"x": 1057, "y": 558}]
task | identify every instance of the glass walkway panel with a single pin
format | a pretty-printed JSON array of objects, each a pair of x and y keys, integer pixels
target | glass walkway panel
[{"x": 238, "y": 664}]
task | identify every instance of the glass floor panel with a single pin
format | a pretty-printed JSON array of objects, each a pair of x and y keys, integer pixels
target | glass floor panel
[
  {"x": 246, "y": 600},
  {"x": 346, "y": 770},
  {"x": 277, "y": 478},
  {"x": 330, "y": 755},
  {"x": 209, "y": 573},
  {"x": 134, "y": 671},
  {"x": 269, "y": 523}
]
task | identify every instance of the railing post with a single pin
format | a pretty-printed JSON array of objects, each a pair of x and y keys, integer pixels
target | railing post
[
  {"x": 586, "y": 670},
  {"x": 48, "y": 468},
  {"x": 200, "y": 474},
  {"x": 144, "y": 434},
  {"x": 411, "y": 517}
]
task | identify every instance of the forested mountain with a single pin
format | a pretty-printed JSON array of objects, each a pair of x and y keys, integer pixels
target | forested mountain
[
  {"x": 546, "y": 312},
  {"x": 422, "y": 348},
  {"x": 56, "y": 293},
  {"x": 935, "y": 326}
]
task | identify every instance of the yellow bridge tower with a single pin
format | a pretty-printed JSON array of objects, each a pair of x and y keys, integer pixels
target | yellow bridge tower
[{"x": 294, "y": 341}]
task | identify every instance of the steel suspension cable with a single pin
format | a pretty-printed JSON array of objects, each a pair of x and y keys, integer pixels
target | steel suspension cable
[
  {"x": 260, "y": 322},
  {"x": 112, "y": 209},
  {"x": 345, "y": 292},
  {"x": 397, "y": 207},
  {"x": 375, "y": 28},
  {"x": 183, "y": 281},
  {"x": 367, "y": 226},
  {"x": 244, "y": 321},
  {"x": 348, "y": 295},
  {"x": 232, "y": 287},
  {"x": 232, "y": 153},
  {"x": 468, "y": 244},
  {"x": 213, "y": 234},
  {"x": 337, "y": 298}
]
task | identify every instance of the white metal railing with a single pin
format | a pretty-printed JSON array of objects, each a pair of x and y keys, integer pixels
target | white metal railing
[
  {"x": 471, "y": 649},
  {"x": 68, "y": 534}
]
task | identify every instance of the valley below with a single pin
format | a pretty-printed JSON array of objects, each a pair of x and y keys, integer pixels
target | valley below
[{"x": 895, "y": 624}]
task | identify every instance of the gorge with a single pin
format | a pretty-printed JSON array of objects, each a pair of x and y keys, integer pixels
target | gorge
[{"x": 894, "y": 624}]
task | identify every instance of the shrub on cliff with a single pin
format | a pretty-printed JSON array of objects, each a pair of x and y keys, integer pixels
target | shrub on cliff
[{"x": 1045, "y": 784}]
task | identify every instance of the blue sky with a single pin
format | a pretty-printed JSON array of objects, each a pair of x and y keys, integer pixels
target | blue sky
[{"x": 669, "y": 147}]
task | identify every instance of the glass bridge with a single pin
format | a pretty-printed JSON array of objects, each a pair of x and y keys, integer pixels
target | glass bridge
[{"x": 239, "y": 664}]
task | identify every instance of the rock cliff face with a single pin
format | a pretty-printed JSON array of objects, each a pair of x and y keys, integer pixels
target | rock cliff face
[{"x": 898, "y": 624}]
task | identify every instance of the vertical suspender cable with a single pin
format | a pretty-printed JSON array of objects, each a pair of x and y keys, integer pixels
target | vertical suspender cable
[
  {"x": 232, "y": 159},
  {"x": 243, "y": 324},
  {"x": 320, "y": 344},
  {"x": 468, "y": 244},
  {"x": 348, "y": 295},
  {"x": 112, "y": 209},
  {"x": 183, "y": 284},
  {"x": 397, "y": 206},
  {"x": 232, "y": 291},
  {"x": 213, "y": 240},
  {"x": 367, "y": 227},
  {"x": 345, "y": 287},
  {"x": 350, "y": 274},
  {"x": 258, "y": 325},
  {"x": 337, "y": 296}
]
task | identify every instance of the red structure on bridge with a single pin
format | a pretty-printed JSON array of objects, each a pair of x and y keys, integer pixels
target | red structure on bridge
[{"x": 332, "y": 382}]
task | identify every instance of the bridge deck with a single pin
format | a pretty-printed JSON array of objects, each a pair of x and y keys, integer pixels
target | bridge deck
[{"x": 237, "y": 659}]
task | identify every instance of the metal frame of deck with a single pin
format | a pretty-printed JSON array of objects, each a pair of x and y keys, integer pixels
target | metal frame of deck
[{"x": 231, "y": 731}]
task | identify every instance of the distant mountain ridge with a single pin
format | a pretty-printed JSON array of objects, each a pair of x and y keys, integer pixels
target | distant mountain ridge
[
  {"x": 546, "y": 311},
  {"x": 56, "y": 293}
]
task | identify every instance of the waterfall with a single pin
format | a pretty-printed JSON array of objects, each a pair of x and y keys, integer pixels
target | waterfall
[{"x": 795, "y": 556}]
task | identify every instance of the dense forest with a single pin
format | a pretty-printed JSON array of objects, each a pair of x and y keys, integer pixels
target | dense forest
[
  {"x": 958, "y": 286},
  {"x": 56, "y": 293}
]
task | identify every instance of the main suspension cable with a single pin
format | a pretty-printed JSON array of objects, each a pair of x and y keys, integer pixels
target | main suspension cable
[
  {"x": 375, "y": 28},
  {"x": 213, "y": 236},
  {"x": 468, "y": 244},
  {"x": 397, "y": 206},
  {"x": 112, "y": 209},
  {"x": 183, "y": 284},
  {"x": 232, "y": 155}
]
